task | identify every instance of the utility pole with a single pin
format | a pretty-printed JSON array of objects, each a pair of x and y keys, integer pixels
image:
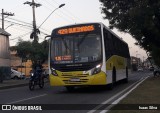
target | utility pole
[
  {"x": 5, "y": 13},
  {"x": 35, "y": 30}
]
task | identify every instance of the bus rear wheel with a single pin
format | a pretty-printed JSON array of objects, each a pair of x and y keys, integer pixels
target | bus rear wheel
[{"x": 126, "y": 79}]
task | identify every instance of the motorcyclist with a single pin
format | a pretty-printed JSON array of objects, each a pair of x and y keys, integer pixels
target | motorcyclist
[
  {"x": 36, "y": 76},
  {"x": 38, "y": 69}
]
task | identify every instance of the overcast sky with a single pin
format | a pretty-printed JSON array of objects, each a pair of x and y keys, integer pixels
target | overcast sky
[{"x": 74, "y": 11}]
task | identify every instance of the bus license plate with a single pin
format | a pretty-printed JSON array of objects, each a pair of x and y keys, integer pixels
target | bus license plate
[{"x": 74, "y": 79}]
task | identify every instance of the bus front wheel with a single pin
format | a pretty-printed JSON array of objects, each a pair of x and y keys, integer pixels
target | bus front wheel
[{"x": 111, "y": 85}]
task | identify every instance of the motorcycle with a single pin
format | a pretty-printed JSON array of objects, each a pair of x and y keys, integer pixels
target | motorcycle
[{"x": 36, "y": 80}]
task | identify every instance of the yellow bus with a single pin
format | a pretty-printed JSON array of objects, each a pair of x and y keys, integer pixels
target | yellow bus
[{"x": 87, "y": 54}]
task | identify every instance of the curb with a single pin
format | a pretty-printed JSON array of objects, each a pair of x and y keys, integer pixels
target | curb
[
  {"x": 17, "y": 85},
  {"x": 13, "y": 86}
]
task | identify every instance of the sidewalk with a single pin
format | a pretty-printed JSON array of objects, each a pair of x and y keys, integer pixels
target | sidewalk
[
  {"x": 7, "y": 84},
  {"x": 13, "y": 83},
  {"x": 143, "y": 99}
]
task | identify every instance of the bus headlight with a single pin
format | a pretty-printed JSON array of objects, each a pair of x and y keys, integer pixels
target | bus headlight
[
  {"x": 97, "y": 69},
  {"x": 53, "y": 71}
]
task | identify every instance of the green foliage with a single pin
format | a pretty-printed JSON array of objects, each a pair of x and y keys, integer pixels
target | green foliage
[
  {"x": 155, "y": 55},
  {"x": 23, "y": 49},
  {"x": 140, "y": 18},
  {"x": 32, "y": 50},
  {"x": 39, "y": 52}
]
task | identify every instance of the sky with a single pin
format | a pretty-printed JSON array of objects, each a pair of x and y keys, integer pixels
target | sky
[{"x": 74, "y": 12}]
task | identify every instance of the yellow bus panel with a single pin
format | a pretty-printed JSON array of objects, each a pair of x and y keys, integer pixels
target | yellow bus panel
[{"x": 77, "y": 78}]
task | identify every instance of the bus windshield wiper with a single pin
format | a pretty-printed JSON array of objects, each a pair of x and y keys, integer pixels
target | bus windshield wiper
[
  {"x": 66, "y": 46},
  {"x": 82, "y": 39}
]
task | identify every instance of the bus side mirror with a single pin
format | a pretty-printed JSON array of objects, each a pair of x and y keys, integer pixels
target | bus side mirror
[
  {"x": 45, "y": 40},
  {"x": 48, "y": 36}
]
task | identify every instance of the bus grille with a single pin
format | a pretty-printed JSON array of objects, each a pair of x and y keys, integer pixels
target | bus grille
[
  {"x": 81, "y": 79},
  {"x": 75, "y": 76}
]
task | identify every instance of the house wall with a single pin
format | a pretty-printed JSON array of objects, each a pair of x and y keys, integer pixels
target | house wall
[
  {"x": 25, "y": 67},
  {"x": 4, "y": 62},
  {"x": 4, "y": 47},
  {"x": 4, "y": 57},
  {"x": 17, "y": 64}
]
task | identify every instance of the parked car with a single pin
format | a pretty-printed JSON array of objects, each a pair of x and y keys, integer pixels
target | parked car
[
  {"x": 156, "y": 72},
  {"x": 17, "y": 75}
]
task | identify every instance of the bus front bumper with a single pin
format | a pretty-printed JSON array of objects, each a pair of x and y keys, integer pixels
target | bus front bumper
[{"x": 97, "y": 79}]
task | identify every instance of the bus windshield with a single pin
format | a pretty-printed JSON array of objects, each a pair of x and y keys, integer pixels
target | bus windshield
[{"x": 77, "y": 48}]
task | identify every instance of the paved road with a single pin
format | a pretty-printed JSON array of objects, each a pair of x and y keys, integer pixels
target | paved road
[{"x": 59, "y": 95}]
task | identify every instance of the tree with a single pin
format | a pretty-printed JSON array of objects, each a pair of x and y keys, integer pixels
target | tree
[
  {"x": 140, "y": 18},
  {"x": 23, "y": 49},
  {"x": 31, "y": 50},
  {"x": 39, "y": 52}
]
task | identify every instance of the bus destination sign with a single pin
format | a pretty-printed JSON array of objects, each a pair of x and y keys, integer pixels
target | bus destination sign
[{"x": 79, "y": 29}]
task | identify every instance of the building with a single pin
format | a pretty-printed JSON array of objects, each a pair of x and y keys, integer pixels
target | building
[
  {"x": 148, "y": 63},
  {"x": 17, "y": 64},
  {"x": 135, "y": 63},
  {"x": 135, "y": 60},
  {"x": 5, "y": 69},
  {"x": 25, "y": 66}
]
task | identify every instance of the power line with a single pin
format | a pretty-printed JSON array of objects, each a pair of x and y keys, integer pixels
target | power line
[
  {"x": 23, "y": 35},
  {"x": 28, "y": 26},
  {"x": 5, "y": 13},
  {"x": 19, "y": 21},
  {"x": 23, "y": 30},
  {"x": 62, "y": 17},
  {"x": 51, "y": 14},
  {"x": 68, "y": 12},
  {"x": 50, "y": 3},
  {"x": 8, "y": 26},
  {"x": 60, "y": 11}
]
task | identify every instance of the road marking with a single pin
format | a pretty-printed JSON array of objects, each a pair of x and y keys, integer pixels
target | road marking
[
  {"x": 123, "y": 96},
  {"x": 27, "y": 99},
  {"x": 113, "y": 97}
]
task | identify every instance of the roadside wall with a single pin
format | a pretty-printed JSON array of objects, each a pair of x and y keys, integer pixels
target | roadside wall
[{"x": 5, "y": 71}]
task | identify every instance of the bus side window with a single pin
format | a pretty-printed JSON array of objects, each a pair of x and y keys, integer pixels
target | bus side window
[
  {"x": 124, "y": 50},
  {"x": 114, "y": 45},
  {"x": 108, "y": 44}
]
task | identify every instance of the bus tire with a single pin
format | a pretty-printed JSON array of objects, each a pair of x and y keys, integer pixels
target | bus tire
[
  {"x": 111, "y": 85},
  {"x": 70, "y": 88},
  {"x": 126, "y": 79}
]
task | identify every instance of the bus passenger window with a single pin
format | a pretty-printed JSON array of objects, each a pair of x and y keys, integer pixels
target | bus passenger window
[{"x": 108, "y": 44}]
